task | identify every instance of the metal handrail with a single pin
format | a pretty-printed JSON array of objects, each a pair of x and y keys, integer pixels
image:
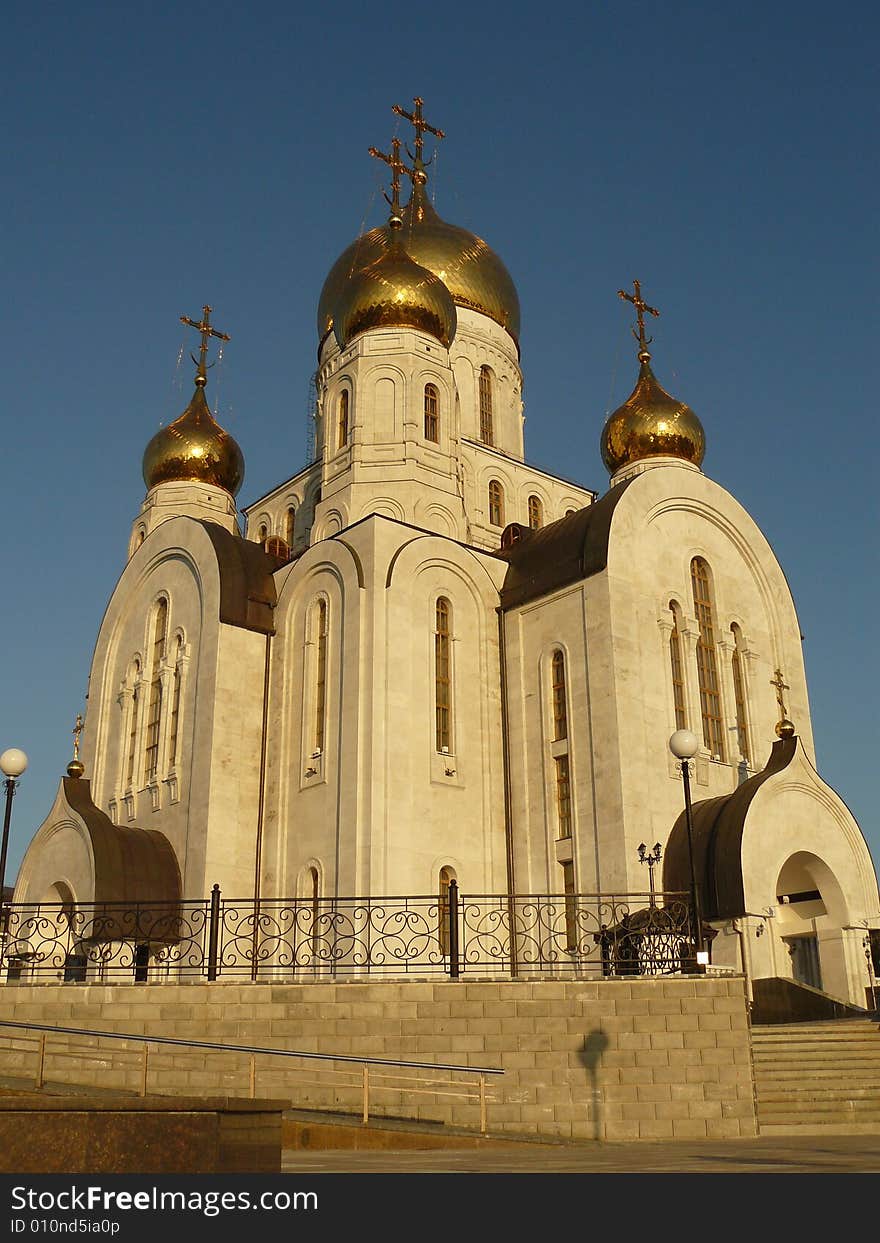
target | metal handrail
[
  {"x": 249, "y": 1048},
  {"x": 479, "y": 1092}
]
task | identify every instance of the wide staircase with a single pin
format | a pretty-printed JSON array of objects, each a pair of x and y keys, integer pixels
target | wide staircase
[{"x": 820, "y": 1078}]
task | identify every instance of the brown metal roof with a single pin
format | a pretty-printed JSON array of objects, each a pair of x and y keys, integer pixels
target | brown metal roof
[
  {"x": 718, "y": 825},
  {"x": 563, "y": 552},
  {"x": 247, "y": 588}
]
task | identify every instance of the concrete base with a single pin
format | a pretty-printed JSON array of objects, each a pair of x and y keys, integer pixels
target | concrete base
[
  {"x": 617, "y": 1059},
  {"x": 43, "y": 1134}
]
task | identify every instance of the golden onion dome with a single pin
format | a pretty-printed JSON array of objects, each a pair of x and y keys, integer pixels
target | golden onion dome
[
  {"x": 195, "y": 447},
  {"x": 650, "y": 423},
  {"x": 394, "y": 291},
  {"x": 467, "y": 266}
]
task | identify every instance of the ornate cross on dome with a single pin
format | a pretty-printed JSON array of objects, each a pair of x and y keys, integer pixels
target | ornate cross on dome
[
  {"x": 421, "y": 126},
  {"x": 641, "y": 306},
  {"x": 76, "y": 731},
  {"x": 207, "y": 331},
  {"x": 397, "y": 167},
  {"x": 780, "y": 687}
]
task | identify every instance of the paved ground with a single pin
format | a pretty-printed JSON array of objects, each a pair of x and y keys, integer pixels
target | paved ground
[{"x": 778, "y": 1155}]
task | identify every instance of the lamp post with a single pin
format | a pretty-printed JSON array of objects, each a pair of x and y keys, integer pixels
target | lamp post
[
  {"x": 12, "y": 763},
  {"x": 652, "y": 858},
  {"x": 684, "y": 746}
]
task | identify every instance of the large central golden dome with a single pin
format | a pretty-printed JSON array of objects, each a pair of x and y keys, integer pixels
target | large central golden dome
[
  {"x": 469, "y": 269},
  {"x": 394, "y": 291}
]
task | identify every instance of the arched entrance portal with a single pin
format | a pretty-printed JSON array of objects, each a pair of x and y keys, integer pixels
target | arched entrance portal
[{"x": 810, "y": 913}]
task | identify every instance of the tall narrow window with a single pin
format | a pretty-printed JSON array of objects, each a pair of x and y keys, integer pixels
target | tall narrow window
[
  {"x": 154, "y": 709},
  {"x": 290, "y": 526},
  {"x": 675, "y": 660},
  {"x": 262, "y": 534},
  {"x": 314, "y": 899},
  {"x": 174, "y": 724},
  {"x": 442, "y": 672},
  {"x": 563, "y": 796},
  {"x": 432, "y": 413},
  {"x": 571, "y": 920},
  {"x": 496, "y": 504},
  {"x": 486, "y": 406},
  {"x": 133, "y": 725},
  {"x": 320, "y": 673},
  {"x": 447, "y": 876},
  {"x": 560, "y": 714},
  {"x": 707, "y": 666},
  {"x": 536, "y": 512},
  {"x": 342, "y": 424},
  {"x": 739, "y": 694}
]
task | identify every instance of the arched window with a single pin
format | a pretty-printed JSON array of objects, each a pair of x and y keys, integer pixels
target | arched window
[
  {"x": 133, "y": 724},
  {"x": 442, "y": 675},
  {"x": 707, "y": 665},
  {"x": 290, "y": 526},
  {"x": 677, "y": 665},
  {"x": 486, "y": 406},
  {"x": 432, "y": 413},
  {"x": 569, "y": 512},
  {"x": 739, "y": 694},
  {"x": 154, "y": 710},
  {"x": 320, "y": 673},
  {"x": 536, "y": 512},
  {"x": 560, "y": 713},
  {"x": 342, "y": 420},
  {"x": 496, "y": 504},
  {"x": 447, "y": 876},
  {"x": 262, "y": 534},
  {"x": 174, "y": 723}
]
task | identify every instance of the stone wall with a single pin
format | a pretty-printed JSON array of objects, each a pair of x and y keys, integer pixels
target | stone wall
[{"x": 665, "y": 1058}]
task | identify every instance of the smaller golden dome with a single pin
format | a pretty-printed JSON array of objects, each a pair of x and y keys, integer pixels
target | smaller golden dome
[
  {"x": 394, "y": 291},
  {"x": 195, "y": 447},
  {"x": 785, "y": 729},
  {"x": 651, "y": 423}
]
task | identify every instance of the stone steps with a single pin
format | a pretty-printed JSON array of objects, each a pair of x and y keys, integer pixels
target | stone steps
[{"x": 818, "y": 1078}]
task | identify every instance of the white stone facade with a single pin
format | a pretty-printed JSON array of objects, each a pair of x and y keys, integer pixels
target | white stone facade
[{"x": 295, "y": 737}]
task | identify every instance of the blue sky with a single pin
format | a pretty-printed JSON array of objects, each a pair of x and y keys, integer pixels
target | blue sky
[{"x": 159, "y": 157}]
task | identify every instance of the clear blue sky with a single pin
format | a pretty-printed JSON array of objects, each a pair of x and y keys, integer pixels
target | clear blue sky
[{"x": 160, "y": 156}]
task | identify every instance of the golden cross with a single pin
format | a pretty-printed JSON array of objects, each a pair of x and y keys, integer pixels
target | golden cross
[
  {"x": 207, "y": 331},
  {"x": 397, "y": 167},
  {"x": 420, "y": 125},
  {"x": 641, "y": 306},
  {"x": 77, "y": 730},
  {"x": 780, "y": 687}
]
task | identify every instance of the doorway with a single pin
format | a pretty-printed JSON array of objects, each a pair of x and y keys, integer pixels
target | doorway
[{"x": 804, "y": 951}]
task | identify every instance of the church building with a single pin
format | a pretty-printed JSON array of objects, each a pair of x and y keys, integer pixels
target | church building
[{"x": 420, "y": 664}]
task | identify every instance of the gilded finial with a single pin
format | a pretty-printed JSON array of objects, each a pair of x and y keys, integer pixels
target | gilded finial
[
  {"x": 784, "y": 727},
  {"x": 421, "y": 126},
  {"x": 76, "y": 768},
  {"x": 207, "y": 332},
  {"x": 397, "y": 167},
  {"x": 641, "y": 307}
]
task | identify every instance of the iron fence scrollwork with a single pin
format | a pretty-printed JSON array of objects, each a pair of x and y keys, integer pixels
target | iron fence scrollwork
[{"x": 452, "y": 937}]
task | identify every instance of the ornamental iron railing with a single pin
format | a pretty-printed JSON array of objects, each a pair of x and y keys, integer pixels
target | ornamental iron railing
[{"x": 567, "y": 935}]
